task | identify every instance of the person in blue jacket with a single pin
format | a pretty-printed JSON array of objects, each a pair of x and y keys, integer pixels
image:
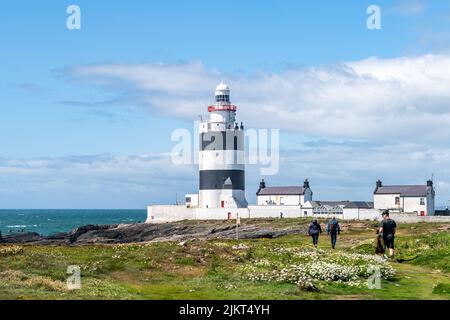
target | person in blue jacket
[
  {"x": 314, "y": 231},
  {"x": 333, "y": 229}
]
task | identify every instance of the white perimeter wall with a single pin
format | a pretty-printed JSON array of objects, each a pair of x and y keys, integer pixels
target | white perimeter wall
[
  {"x": 159, "y": 214},
  {"x": 162, "y": 214},
  {"x": 362, "y": 214}
]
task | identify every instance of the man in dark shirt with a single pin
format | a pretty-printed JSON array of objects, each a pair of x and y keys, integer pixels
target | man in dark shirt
[{"x": 387, "y": 229}]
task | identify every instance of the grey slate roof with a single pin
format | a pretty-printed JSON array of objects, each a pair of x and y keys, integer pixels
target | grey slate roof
[
  {"x": 344, "y": 204},
  {"x": 360, "y": 205},
  {"x": 281, "y": 191},
  {"x": 316, "y": 204},
  {"x": 404, "y": 191}
]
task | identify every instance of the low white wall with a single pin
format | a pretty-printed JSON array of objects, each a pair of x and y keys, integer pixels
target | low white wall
[
  {"x": 161, "y": 214},
  {"x": 172, "y": 213},
  {"x": 412, "y": 218},
  {"x": 220, "y": 213},
  {"x": 361, "y": 214}
]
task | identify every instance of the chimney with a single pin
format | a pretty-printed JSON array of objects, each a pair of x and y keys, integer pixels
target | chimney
[
  {"x": 262, "y": 185},
  {"x": 379, "y": 184},
  {"x": 306, "y": 184},
  {"x": 430, "y": 183}
]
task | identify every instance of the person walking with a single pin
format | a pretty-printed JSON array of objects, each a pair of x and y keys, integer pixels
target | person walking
[
  {"x": 333, "y": 229},
  {"x": 387, "y": 229},
  {"x": 314, "y": 231}
]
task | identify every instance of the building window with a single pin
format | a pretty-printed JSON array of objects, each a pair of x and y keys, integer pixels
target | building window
[
  {"x": 397, "y": 201},
  {"x": 422, "y": 201}
]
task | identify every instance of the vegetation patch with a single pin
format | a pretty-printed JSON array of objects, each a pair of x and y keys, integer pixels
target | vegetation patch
[
  {"x": 442, "y": 289},
  {"x": 21, "y": 279},
  {"x": 287, "y": 267},
  {"x": 13, "y": 250},
  {"x": 308, "y": 268}
]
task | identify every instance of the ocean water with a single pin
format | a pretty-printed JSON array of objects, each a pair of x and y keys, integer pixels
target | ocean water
[{"x": 48, "y": 222}]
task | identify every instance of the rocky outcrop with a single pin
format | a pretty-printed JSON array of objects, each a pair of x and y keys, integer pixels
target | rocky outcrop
[
  {"x": 134, "y": 233},
  {"x": 19, "y": 238}
]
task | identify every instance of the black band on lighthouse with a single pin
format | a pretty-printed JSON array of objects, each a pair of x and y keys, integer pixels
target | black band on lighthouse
[
  {"x": 222, "y": 179},
  {"x": 222, "y": 140}
]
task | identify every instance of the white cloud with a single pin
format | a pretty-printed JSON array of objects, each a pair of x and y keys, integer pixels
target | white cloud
[
  {"x": 405, "y": 99},
  {"x": 397, "y": 110},
  {"x": 408, "y": 7},
  {"x": 93, "y": 181},
  {"x": 345, "y": 172}
]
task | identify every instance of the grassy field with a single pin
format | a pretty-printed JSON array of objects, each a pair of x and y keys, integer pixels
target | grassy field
[{"x": 283, "y": 268}]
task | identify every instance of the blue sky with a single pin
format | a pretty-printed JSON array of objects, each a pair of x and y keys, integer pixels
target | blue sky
[{"x": 87, "y": 115}]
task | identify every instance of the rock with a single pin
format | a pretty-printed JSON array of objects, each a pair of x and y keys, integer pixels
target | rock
[
  {"x": 145, "y": 232},
  {"x": 240, "y": 246},
  {"x": 20, "y": 238},
  {"x": 183, "y": 244}
]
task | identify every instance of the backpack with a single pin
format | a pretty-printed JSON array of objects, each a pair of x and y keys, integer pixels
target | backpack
[
  {"x": 332, "y": 227},
  {"x": 313, "y": 229}
]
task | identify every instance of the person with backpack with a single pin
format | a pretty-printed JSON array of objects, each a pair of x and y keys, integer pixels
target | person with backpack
[
  {"x": 333, "y": 229},
  {"x": 387, "y": 229},
  {"x": 314, "y": 231}
]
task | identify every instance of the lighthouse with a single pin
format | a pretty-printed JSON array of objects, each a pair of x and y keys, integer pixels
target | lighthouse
[{"x": 221, "y": 155}]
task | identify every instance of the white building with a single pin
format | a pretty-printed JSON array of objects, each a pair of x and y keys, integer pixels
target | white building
[
  {"x": 418, "y": 199},
  {"x": 283, "y": 196},
  {"x": 192, "y": 200}
]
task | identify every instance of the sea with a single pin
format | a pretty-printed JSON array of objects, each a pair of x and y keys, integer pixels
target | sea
[{"x": 47, "y": 222}]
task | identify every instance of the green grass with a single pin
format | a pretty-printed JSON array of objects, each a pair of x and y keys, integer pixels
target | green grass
[{"x": 213, "y": 269}]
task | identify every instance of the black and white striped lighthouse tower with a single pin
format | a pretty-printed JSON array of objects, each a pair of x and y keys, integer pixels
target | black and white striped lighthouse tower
[{"x": 221, "y": 158}]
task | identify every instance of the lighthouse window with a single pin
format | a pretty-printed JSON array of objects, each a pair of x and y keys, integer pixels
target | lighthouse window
[
  {"x": 222, "y": 98},
  {"x": 235, "y": 143}
]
